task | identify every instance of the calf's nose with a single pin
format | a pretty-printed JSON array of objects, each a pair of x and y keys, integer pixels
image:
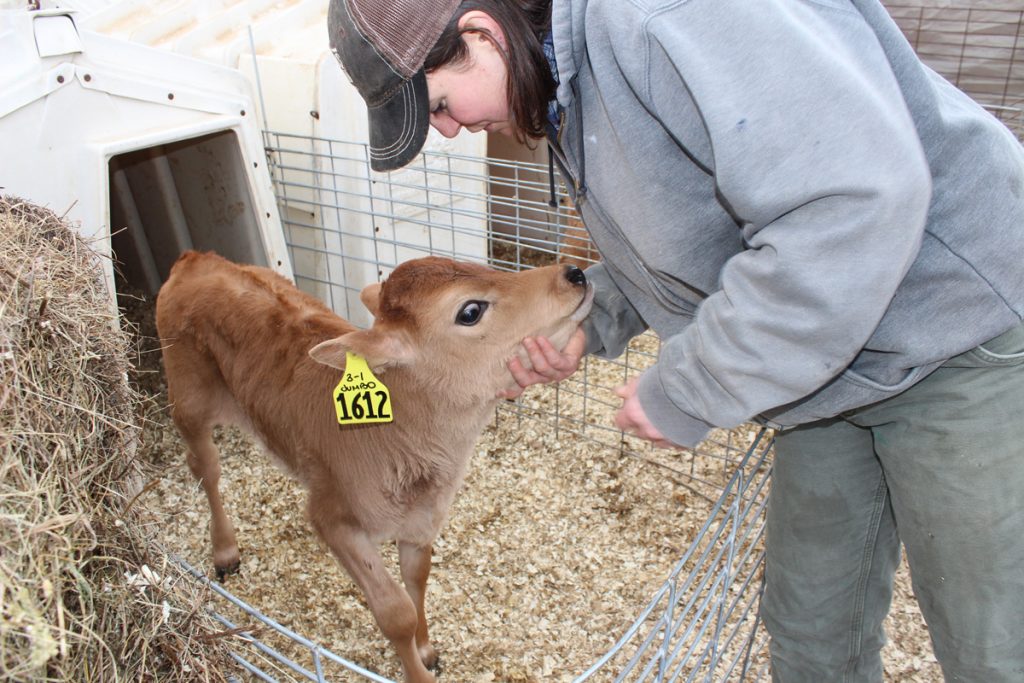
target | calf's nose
[{"x": 575, "y": 275}]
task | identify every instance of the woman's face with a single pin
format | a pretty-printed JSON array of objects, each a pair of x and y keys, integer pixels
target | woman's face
[{"x": 471, "y": 94}]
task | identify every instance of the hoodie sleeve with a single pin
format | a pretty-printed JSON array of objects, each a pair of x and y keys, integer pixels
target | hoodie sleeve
[{"x": 816, "y": 156}]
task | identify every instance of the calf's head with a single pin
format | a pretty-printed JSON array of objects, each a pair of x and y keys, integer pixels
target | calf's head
[{"x": 459, "y": 323}]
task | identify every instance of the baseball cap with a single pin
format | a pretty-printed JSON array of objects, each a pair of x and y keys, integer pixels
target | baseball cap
[{"x": 381, "y": 45}]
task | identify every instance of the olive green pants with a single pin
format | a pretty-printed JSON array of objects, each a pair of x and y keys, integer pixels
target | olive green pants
[{"x": 939, "y": 468}]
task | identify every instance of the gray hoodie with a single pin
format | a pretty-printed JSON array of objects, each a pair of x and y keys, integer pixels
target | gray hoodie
[{"x": 809, "y": 218}]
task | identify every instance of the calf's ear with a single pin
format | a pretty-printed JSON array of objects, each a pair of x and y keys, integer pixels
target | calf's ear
[
  {"x": 382, "y": 349},
  {"x": 370, "y": 296}
]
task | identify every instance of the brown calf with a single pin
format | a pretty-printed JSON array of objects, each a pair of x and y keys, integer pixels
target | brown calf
[{"x": 243, "y": 346}]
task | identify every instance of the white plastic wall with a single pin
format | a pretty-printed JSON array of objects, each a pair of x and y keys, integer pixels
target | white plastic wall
[{"x": 84, "y": 116}]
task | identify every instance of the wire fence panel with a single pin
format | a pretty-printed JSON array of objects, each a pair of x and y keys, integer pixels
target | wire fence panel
[
  {"x": 979, "y": 47},
  {"x": 701, "y": 625}
]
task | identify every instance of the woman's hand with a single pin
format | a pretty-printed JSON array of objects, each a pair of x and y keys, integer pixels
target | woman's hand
[
  {"x": 549, "y": 364},
  {"x": 632, "y": 419}
]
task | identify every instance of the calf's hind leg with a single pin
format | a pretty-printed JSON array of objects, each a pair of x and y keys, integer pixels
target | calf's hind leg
[
  {"x": 198, "y": 400},
  {"x": 204, "y": 463}
]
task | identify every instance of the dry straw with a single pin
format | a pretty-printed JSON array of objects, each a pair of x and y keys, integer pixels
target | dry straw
[{"x": 85, "y": 592}]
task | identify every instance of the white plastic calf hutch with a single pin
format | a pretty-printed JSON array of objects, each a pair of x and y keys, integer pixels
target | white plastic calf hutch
[{"x": 162, "y": 151}]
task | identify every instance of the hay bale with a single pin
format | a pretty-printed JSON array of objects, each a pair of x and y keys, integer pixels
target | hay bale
[{"x": 85, "y": 593}]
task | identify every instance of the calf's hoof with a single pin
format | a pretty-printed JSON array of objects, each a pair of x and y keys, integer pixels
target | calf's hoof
[
  {"x": 223, "y": 571},
  {"x": 428, "y": 655}
]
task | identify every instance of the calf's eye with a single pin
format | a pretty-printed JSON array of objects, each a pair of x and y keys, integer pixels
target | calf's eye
[{"x": 471, "y": 312}]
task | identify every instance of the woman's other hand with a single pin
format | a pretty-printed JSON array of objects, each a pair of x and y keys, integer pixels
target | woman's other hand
[{"x": 632, "y": 419}]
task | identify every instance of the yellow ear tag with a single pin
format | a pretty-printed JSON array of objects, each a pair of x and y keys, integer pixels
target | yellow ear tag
[{"x": 360, "y": 397}]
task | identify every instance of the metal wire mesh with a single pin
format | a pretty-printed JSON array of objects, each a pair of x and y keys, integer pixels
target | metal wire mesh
[
  {"x": 701, "y": 625},
  {"x": 980, "y": 49},
  {"x": 344, "y": 231}
]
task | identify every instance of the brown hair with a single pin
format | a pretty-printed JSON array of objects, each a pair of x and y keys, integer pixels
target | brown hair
[{"x": 530, "y": 85}]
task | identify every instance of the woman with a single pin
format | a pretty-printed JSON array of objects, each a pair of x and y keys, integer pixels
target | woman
[{"x": 826, "y": 236}]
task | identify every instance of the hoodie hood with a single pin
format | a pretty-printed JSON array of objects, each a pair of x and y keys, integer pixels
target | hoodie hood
[{"x": 567, "y": 17}]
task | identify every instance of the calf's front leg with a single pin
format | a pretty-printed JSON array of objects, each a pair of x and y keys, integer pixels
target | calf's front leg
[
  {"x": 414, "y": 561},
  {"x": 391, "y": 606}
]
